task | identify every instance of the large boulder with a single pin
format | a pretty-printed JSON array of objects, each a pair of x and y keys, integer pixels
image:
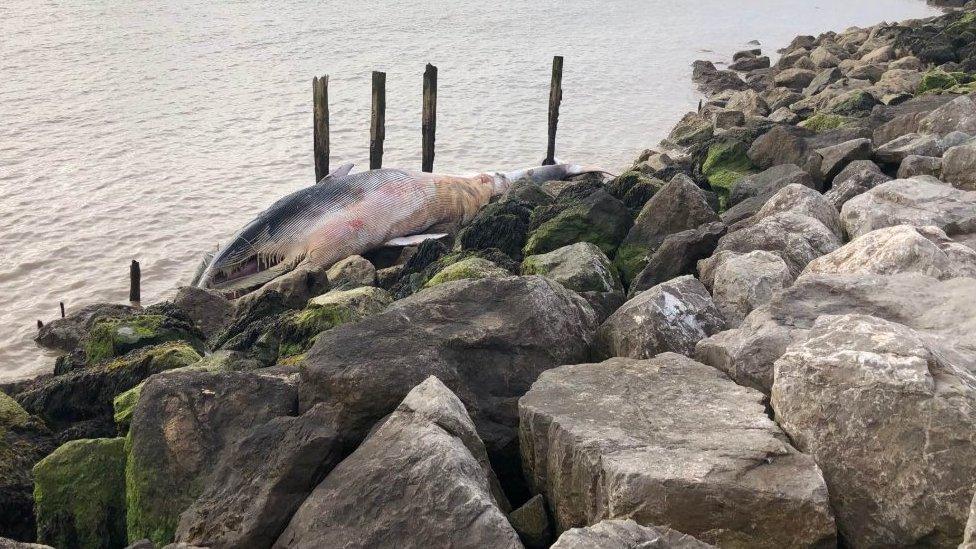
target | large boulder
[
  {"x": 66, "y": 334},
  {"x": 79, "y": 492},
  {"x": 88, "y": 393},
  {"x": 115, "y": 336},
  {"x": 421, "y": 479},
  {"x": 956, "y": 115},
  {"x": 468, "y": 268},
  {"x": 858, "y": 177},
  {"x": 768, "y": 182},
  {"x": 672, "y": 316},
  {"x": 178, "y": 429},
  {"x": 943, "y": 310},
  {"x": 583, "y": 268},
  {"x": 837, "y": 157},
  {"x": 891, "y": 420},
  {"x": 959, "y": 166},
  {"x": 797, "y": 199},
  {"x": 795, "y": 237},
  {"x": 352, "y": 272},
  {"x": 209, "y": 310},
  {"x": 261, "y": 480},
  {"x": 744, "y": 282},
  {"x": 632, "y": 439},
  {"x": 678, "y": 255},
  {"x": 512, "y": 328},
  {"x": 678, "y": 206},
  {"x": 599, "y": 218},
  {"x": 24, "y": 440},
  {"x": 899, "y": 249},
  {"x": 895, "y": 151},
  {"x": 917, "y": 202},
  {"x": 786, "y": 145},
  {"x": 626, "y": 534}
]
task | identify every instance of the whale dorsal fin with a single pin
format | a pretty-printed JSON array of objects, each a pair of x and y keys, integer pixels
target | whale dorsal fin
[{"x": 341, "y": 171}]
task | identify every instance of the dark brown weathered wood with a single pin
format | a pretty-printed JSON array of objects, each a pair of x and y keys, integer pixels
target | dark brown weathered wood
[
  {"x": 61, "y": 303},
  {"x": 135, "y": 279},
  {"x": 377, "y": 125},
  {"x": 320, "y": 125},
  {"x": 555, "y": 98},
  {"x": 39, "y": 324},
  {"x": 429, "y": 118}
]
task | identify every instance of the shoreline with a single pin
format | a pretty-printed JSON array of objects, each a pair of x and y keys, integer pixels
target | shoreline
[{"x": 809, "y": 232}]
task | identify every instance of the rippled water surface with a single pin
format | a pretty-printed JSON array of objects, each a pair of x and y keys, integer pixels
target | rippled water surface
[{"x": 153, "y": 130}]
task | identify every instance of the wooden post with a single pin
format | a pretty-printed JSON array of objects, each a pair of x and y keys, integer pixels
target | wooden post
[
  {"x": 320, "y": 125},
  {"x": 61, "y": 303},
  {"x": 377, "y": 126},
  {"x": 39, "y": 324},
  {"x": 135, "y": 277},
  {"x": 429, "y": 118},
  {"x": 555, "y": 98}
]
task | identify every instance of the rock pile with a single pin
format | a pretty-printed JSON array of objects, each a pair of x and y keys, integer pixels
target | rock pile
[{"x": 759, "y": 335}]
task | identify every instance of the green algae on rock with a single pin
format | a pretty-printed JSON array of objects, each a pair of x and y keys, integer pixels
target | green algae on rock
[
  {"x": 634, "y": 189},
  {"x": 472, "y": 267},
  {"x": 79, "y": 493},
  {"x": 298, "y": 330},
  {"x": 113, "y": 337},
  {"x": 824, "y": 122},
  {"x": 726, "y": 163},
  {"x": 11, "y": 413},
  {"x": 581, "y": 267},
  {"x": 599, "y": 218}
]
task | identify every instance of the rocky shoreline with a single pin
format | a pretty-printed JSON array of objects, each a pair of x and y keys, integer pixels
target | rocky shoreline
[{"x": 763, "y": 334}]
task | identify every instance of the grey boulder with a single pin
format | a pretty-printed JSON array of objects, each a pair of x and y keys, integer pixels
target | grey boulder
[
  {"x": 626, "y": 534},
  {"x": 891, "y": 420},
  {"x": 672, "y": 316},
  {"x": 837, "y": 157},
  {"x": 744, "y": 282},
  {"x": 915, "y": 201},
  {"x": 959, "y": 166},
  {"x": 669, "y": 441},
  {"x": 858, "y": 177},
  {"x": 421, "y": 479},
  {"x": 678, "y": 255}
]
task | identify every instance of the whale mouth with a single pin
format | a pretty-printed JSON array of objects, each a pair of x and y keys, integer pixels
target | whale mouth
[{"x": 245, "y": 276}]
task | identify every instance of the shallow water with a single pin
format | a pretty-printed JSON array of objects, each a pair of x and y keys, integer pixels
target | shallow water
[{"x": 153, "y": 130}]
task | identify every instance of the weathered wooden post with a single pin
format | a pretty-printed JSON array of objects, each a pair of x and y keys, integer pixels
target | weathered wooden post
[
  {"x": 377, "y": 126},
  {"x": 320, "y": 125},
  {"x": 135, "y": 277},
  {"x": 61, "y": 303},
  {"x": 429, "y": 118},
  {"x": 555, "y": 98}
]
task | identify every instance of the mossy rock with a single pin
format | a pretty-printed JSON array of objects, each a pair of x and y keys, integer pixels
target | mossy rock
[
  {"x": 123, "y": 405},
  {"x": 631, "y": 260},
  {"x": 298, "y": 329},
  {"x": 581, "y": 267},
  {"x": 599, "y": 218},
  {"x": 470, "y": 268},
  {"x": 11, "y": 413},
  {"x": 724, "y": 165},
  {"x": 825, "y": 122},
  {"x": 634, "y": 189},
  {"x": 502, "y": 225},
  {"x": 79, "y": 493},
  {"x": 853, "y": 103},
  {"x": 114, "y": 337}
]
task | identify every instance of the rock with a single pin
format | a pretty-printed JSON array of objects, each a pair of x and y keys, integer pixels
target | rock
[
  {"x": 725, "y": 119},
  {"x": 765, "y": 184},
  {"x": 634, "y": 189},
  {"x": 711, "y": 80},
  {"x": 899, "y": 249},
  {"x": 744, "y": 282},
  {"x": 726, "y": 162},
  {"x": 678, "y": 206},
  {"x": 785, "y": 145},
  {"x": 179, "y": 427},
  {"x": 513, "y": 327},
  {"x": 858, "y": 177},
  {"x": 748, "y": 102},
  {"x": 635, "y": 437},
  {"x": 943, "y": 310},
  {"x": 531, "y": 522},
  {"x": 851, "y": 103},
  {"x": 6, "y": 543},
  {"x": 820, "y": 82},
  {"x": 959, "y": 166},
  {"x": 671, "y": 316},
  {"x": 895, "y": 151},
  {"x": 421, "y": 479},
  {"x": 678, "y": 255},
  {"x": 88, "y": 393},
  {"x": 80, "y": 494},
  {"x": 692, "y": 129},
  {"x": 790, "y": 57},
  {"x": 895, "y": 81},
  {"x": 837, "y": 157},
  {"x": 750, "y": 64},
  {"x": 784, "y": 115},
  {"x": 796, "y": 199},
  {"x": 910, "y": 202},
  {"x": 261, "y": 480},
  {"x": 114, "y": 337},
  {"x": 352, "y": 272},
  {"x": 291, "y": 291},
  {"x": 872, "y": 72},
  {"x": 24, "y": 440},
  {"x": 795, "y": 79},
  {"x": 599, "y": 218},
  {"x": 295, "y": 332},
  {"x": 824, "y": 58},
  {"x": 914, "y": 165},
  {"x": 470, "y": 268},
  {"x": 583, "y": 268},
  {"x": 209, "y": 311},
  {"x": 795, "y": 237},
  {"x": 504, "y": 225},
  {"x": 956, "y": 115},
  {"x": 780, "y": 98},
  {"x": 66, "y": 334},
  {"x": 856, "y": 371},
  {"x": 969, "y": 540},
  {"x": 626, "y": 534}
]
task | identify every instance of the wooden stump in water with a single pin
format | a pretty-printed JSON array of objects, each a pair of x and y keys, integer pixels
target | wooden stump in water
[
  {"x": 377, "y": 126},
  {"x": 429, "y": 118},
  {"x": 320, "y": 125},
  {"x": 135, "y": 279},
  {"x": 555, "y": 98}
]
